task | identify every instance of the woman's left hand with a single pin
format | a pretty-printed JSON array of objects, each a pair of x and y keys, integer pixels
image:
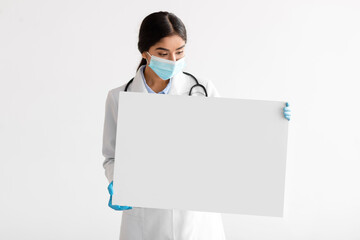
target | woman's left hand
[{"x": 287, "y": 111}]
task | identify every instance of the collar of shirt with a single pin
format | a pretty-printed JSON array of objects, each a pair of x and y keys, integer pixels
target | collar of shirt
[{"x": 164, "y": 91}]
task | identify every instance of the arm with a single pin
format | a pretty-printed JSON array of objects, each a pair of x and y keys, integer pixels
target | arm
[
  {"x": 109, "y": 142},
  {"x": 109, "y": 136}
]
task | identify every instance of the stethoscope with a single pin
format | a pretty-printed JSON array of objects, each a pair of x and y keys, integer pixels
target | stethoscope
[{"x": 196, "y": 85}]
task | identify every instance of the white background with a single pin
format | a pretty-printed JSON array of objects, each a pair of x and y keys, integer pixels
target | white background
[{"x": 58, "y": 59}]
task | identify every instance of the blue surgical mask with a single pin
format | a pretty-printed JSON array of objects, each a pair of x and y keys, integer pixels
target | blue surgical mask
[{"x": 164, "y": 68}]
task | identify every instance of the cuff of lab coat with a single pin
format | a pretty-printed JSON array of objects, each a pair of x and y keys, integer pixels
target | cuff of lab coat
[{"x": 109, "y": 170}]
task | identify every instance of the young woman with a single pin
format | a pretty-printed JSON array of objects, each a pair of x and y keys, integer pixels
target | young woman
[{"x": 162, "y": 40}]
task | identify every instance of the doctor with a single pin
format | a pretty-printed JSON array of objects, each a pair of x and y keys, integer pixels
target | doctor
[{"x": 162, "y": 40}]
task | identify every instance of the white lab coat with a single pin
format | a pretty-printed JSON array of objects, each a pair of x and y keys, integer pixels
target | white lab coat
[{"x": 150, "y": 223}]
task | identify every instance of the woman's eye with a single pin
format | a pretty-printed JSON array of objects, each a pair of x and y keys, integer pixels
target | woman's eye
[{"x": 165, "y": 54}]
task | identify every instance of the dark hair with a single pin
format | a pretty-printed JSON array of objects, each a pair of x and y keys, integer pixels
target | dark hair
[{"x": 156, "y": 26}]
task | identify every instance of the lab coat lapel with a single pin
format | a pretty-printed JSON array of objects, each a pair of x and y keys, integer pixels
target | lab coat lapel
[{"x": 137, "y": 84}]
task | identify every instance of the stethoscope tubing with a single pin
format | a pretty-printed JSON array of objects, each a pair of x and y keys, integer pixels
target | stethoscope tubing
[{"x": 190, "y": 92}]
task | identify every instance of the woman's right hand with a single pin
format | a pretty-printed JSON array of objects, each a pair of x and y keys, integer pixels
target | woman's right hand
[{"x": 115, "y": 207}]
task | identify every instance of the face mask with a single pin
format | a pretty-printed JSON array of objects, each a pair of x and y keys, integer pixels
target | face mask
[{"x": 164, "y": 68}]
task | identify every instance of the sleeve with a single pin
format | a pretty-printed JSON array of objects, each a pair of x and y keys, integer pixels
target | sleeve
[
  {"x": 211, "y": 89},
  {"x": 109, "y": 136}
]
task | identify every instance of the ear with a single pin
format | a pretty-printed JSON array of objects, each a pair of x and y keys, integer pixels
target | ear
[{"x": 146, "y": 57}]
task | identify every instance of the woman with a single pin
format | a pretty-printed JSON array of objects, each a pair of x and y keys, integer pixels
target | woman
[{"x": 162, "y": 40}]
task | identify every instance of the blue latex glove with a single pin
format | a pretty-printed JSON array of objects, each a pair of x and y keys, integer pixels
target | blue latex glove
[
  {"x": 287, "y": 111},
  {"x": 115, "y": 207}
]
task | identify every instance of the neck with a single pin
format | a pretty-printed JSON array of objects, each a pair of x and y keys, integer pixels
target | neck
[{"x": 153, "y": 80}]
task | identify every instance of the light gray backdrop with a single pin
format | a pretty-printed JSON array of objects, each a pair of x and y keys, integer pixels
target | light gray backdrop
[{"x": 58, "y": 59}]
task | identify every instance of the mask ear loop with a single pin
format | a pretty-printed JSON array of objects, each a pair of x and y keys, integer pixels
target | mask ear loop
[{"x": 146, "y": 58}]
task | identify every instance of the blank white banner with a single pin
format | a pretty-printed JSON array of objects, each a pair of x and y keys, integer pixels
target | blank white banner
[{"x": 202, "y": 154}]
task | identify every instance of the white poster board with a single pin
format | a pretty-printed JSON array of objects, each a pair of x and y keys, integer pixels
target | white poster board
[{"x": 202, "y": 154}]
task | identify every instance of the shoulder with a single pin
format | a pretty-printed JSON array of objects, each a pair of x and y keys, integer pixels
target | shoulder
[
  {"x": 113, "y": 94},
  {"x": 212, "y": 90}
]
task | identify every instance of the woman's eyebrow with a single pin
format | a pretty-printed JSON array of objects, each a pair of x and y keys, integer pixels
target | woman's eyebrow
[{"x": 160, "y": 48}]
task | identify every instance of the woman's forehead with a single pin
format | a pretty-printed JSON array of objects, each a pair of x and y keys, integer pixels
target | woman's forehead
[{"x": 171, "y": 43}]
